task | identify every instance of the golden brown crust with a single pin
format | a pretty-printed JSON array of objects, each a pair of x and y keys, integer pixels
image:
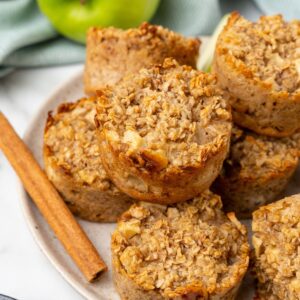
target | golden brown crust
[
  {"x": 256, "y": 171},
  {"x": 276, "y": 230},
  {"x": 73, "y": 164},
  {"x": 177, "y": 251},
  {"x": 164, "y": 132},
  {"x": 296, "y": 138},
  {"x": 128, "y": 290},
  {"x": 112, "y": 53},
  {"x": 258, "y": 64}
]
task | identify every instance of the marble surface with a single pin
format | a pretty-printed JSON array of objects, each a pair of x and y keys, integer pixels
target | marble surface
[{"x": 25, "y": 272}]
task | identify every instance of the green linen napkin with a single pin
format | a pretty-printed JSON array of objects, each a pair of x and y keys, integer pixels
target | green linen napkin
[
  {"x": 290, "y": 9},
  {"x": 29, "y": 40}
]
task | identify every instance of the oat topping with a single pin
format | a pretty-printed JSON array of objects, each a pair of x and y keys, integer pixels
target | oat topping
[
  {"x": 190, "y": 245},
  {"x": 276, "y": 242},
  {"x": 173, "y": 114},
  {"x": 72, "y": 142},
  {"x": 269, "y": 48},
  {"x": 257, "y": 154},
  {"x": 296, "y": 138}
]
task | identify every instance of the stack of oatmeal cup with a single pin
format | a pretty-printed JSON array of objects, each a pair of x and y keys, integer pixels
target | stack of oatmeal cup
[
  {"x": 156, "y": 136},
  {"x": 258, "y": 65}
]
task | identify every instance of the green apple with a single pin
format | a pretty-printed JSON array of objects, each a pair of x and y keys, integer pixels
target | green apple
[{"x": 72, "y": 18}]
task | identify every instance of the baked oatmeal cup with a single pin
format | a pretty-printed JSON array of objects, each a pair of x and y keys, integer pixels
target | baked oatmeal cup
[
  {"x": 72, "y": 162},
  {"x": 276, "y": 232},
  {"x": 256, "y": 171},
  {"x": 164, "y": 132},
  {"x": 112, "y": 53},
  {"x": 259, "y": 65},
  {"x": 188, "y": 250}
]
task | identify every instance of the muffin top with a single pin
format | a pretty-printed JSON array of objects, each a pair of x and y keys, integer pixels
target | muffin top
[
  {"x": 269, "y": 49},
  {"x": 257, "y": 155},
  {"x": 185, "y": 248},
  {"x": 70, "y": 143},
  {"x": 166, "y": 117},
  {"x": 276, "y": 242}
]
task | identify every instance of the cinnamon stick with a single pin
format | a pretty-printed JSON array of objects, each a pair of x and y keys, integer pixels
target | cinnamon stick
[{"x": 49, "y": 202}]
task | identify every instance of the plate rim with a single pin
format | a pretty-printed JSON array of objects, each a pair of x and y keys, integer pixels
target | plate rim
[{"x": 26, "y": 203}]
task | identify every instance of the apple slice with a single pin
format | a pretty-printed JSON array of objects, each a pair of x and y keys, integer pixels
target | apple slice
[{"x": 205, "y": 61}]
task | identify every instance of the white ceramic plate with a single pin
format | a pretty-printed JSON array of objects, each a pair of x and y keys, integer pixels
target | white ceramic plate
[{"x": 98, "y": 233}]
